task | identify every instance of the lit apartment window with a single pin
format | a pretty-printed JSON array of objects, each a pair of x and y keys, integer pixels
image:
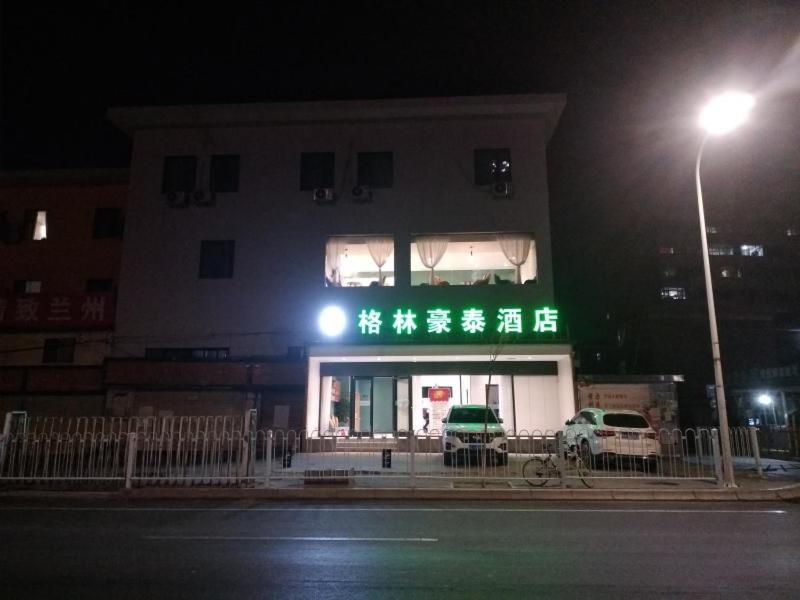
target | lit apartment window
[
  {"x": 752, "y": 250},
  {"x": 711, "y": 229},
  {"x": 669, "y": 273},
  {"x": 720, "y": 250},
  {"x": 666, "y": 249},
  {"x": 673, "y": 293},
  {"x": 792, "y": 232},
  {"x": 27, "y": 286},
  {"x": 359, "y": 261},
  {"x": 35, "y": 224},
  {"x": 473, "y": 259},
  {"x": 59, "y": 350},
  {"x": 492, "y": 165}
]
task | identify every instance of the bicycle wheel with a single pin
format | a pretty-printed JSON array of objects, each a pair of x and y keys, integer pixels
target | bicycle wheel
[
  {"x": 583, "y": 472},
  {"x": 537, "y": 471}
]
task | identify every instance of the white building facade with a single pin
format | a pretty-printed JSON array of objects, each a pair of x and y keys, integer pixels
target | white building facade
[{"x": 421, "y": 225}]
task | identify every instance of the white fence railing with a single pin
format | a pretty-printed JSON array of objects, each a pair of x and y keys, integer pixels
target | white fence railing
[{"x": 215, "y": 451}]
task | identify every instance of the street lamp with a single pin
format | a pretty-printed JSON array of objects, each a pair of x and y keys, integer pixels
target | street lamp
[{"x": 723, "y": 114}]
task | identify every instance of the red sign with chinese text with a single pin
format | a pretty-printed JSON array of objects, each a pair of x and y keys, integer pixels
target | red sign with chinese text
[
  {"x": 439, "y": 394},
  {"x": 48, "y": 311}
]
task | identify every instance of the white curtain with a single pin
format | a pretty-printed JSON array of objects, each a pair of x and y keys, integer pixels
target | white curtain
[
  {"x": 516, "y": 247},
  {"x": 333, "y": 260},
  {"x": 380, "y": 249},
  {"x": 431, "y": 249}
]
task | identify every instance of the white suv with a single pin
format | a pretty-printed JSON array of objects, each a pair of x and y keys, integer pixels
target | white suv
[
  {"x": 597, "y": 433},
  {"x": 471, "y": 429}
]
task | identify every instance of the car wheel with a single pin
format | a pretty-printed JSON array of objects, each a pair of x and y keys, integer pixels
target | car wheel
[
  {"x": 586, "y": 454},
  {"x": 448, "y": 459}
]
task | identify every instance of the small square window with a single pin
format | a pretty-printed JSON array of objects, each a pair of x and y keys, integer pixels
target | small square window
[
  {"x": 316, "y": 170},
  {"x": 225, "y": 173},
  {"x": 35, "y": 224},
  {"x": 99, "y": 285},
  {"x": 376, "y": 169},
  {"x": 216, "y": 259},
  {"x": 27, "y": 286},
  {"x": 492, "y": 165},
  {"x": 180, "y": 174},
  {"x": 752, "y": 250},
  {"x": 108, "y": 223},
  {"x": 673, "y": 293},
  {"x": 59, "y": 350}
]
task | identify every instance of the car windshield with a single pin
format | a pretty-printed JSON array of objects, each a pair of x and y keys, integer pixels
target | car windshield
[
  {"x": 472, "y": 415},
  {"x": 625, "y": 420}
]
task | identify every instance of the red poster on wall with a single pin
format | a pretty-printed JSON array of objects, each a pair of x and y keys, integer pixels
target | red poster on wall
[{"x": 439, "y": 394}]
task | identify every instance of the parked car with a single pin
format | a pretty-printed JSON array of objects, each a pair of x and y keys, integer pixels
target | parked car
[
  {"x": 471, "y": 430},
  {"x": 600, "y": 436}
]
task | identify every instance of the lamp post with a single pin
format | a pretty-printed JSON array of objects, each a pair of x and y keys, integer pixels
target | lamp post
[{"x": 723, "y": 114}]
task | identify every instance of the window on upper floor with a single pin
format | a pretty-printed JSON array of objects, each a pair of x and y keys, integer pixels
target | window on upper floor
[
  {"x": 666, "y": 250},
  {"x": 359, "y": 261},
  {"x": 108, "y": 223},
  {"x": 180, "y": 174},
  {"x": 27, "y": 286},
  {"x": 186, "y": 353},
  {"x": 752, "y": 250},
  {"x": 316, "y": 170},
  {"x": 99, "y": 285},
  {"x": 711, "y": 229},
  {"x": 492, "y": 165},
  {"x": 669, "y": 273},
  {"x": 720, "y": 250},
  {"x": 473, "y": 259},
  {"x": 376, "y": 169},
  {"x": 673, "y": 293},
  {"x": 58, "y": 350},
  {"x": 216, "y": 259},
  {"x": 792, "y": 232},
  {"x": 729, "y": 272},
  {"x": 35, "y": 224},
  {"x": 225, "y": 173}
]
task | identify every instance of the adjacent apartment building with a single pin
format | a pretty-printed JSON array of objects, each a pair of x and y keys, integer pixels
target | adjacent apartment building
[
  {"x": 342, "y": 267},
  {"x": 60, "y": 247}
]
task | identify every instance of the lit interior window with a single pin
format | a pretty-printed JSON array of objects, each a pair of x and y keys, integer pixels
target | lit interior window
[
  {"x": 359, "y": 261},
  {"x": 673, "y": 293},
  {"x": 752, "y": 250},
  {"x": 40, "y": 227}
]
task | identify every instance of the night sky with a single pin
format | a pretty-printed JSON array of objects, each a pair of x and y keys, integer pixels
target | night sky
[{"x": 621, "y": 161}]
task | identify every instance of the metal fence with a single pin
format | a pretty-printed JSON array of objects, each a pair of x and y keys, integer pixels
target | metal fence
[{"x": 219, "y": 450}]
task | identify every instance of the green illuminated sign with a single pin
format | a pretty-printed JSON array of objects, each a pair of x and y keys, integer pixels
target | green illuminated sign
[{"x": 472, "y": 321}]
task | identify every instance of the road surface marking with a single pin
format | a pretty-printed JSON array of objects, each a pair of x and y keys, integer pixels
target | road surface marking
[
  {"x": 283, "y": 538},
  {"x": 385, "y": 509}
]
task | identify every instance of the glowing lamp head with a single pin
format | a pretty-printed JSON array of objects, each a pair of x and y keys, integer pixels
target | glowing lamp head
[
  {"x": 764, "y": 400},
  {"x": 332, "y": 321},
  {"x": 726, "y": 112}
]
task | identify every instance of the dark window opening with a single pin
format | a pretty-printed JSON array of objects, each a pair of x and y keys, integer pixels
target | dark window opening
[
  {"x": 216, "y": 259},
  {"x": 180, "y": 174},
  {"x": 376, "y": 169},
  {"x": 27, "y": 286},
  {"x": 316, "y": 170},
  {"x": 225, "y": 173},
  {"x": 99, "y": 285},
  {"x": 186, "y": 353},
  {"x": 59, "y": 350},
  {"x": 492, "y": 165},
  {"x": 108, "y": 223}
]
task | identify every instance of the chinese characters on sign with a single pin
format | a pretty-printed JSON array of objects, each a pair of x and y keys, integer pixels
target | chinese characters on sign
[
  {"x": 469, "y": 321},
  {"x": 33, "y": 311}
]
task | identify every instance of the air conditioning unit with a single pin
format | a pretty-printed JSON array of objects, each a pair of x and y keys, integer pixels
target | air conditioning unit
[
  {"x": 502, "y": 189},
  {"x": 362, "y": 193},
  {"x": 178, "y": 199},
  {"x": 324, "y": 196},
  {"x": 203, "y": 198}
]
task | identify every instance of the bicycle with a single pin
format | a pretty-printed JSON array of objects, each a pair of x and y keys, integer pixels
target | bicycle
[{"x": 537, "y": 471}]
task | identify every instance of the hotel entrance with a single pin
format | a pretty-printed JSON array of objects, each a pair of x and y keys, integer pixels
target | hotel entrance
[{"x": 366, "y": 405}]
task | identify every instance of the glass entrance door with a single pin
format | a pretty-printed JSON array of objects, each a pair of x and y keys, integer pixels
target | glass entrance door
[{"x": 380, "y": 404}]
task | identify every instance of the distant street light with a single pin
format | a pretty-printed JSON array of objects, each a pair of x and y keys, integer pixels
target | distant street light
[{"x": 723, "y": 114}]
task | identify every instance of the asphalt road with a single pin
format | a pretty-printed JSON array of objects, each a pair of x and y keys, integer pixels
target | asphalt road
[{"x": 200, "y": 549}]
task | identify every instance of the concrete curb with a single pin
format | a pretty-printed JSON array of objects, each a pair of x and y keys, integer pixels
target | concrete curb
[{"x": 346, "y": 493}]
